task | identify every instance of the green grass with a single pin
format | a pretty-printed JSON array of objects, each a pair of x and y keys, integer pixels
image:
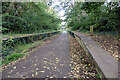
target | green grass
[
  {"x": 13, "y": 57},
  {"x": 21, "y": 50},
  {"x": 25, "y": 47},
  {"x": 12, "y": 35},
  {"x": 106, "y": 33},
  {"x": 111, "y": 33}
]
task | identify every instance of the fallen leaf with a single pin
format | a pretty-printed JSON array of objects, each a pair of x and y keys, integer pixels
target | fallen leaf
[
  {"x": 23, "y": 67},
  {"x": 51, "y": 77},
  {"x": 44, "y": 67},
  {"x": 36, "y": 73},
  {"x": 15, "y": 67},
  {"x": 10, "y": 71},
  {"x": 8, "y": 76},
  {"x": 32, "y": 75},
  {"x": 64, "y": 77},
  {"x": 42, "y": 71},
  {"x": 36, "y": 68},
  {"x": 48, "y": 68},
  {"x": 55, "y": 67}
]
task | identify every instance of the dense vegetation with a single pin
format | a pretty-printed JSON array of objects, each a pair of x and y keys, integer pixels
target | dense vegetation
[
  {"x": 25, "y": 19},
  {"x": 102, "y": 15},
  {"x": 28, "y": 17}
]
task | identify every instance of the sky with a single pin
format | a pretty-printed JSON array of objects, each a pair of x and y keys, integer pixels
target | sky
[{"x": 61, "y": 12}]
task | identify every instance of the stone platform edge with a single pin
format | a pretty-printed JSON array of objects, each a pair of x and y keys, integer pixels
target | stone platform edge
[{"x": 101, "y": 71}]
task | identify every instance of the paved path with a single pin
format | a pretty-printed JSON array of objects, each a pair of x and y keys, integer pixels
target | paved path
[{"x": 52, "y": 60}]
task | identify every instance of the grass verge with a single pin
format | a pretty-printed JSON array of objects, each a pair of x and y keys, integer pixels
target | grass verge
[
  {"x": 24, "y": 49},
  {"x": 111, "y": 33},
  {"x": 12, "y": 35}
]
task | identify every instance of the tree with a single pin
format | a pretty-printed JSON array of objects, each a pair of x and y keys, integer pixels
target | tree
[{"x": 27, "y": 17}]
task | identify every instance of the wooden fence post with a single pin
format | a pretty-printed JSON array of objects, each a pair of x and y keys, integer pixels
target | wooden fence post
[{"x": 91, "y": 29}]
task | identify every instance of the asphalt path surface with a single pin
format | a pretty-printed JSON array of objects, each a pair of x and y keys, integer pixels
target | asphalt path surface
[{"x": 51, "y": 61}]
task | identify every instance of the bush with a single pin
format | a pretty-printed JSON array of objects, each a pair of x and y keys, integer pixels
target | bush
[{"x": 14, "y": 56}]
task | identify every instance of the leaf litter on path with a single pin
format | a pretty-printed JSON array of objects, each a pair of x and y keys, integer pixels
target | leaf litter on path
[{"x": 81, "y": 65}]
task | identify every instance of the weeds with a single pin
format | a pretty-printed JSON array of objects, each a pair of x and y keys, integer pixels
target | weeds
[
  {"x": 20, "y": 50},
  {"x": 12, "y": 57}
]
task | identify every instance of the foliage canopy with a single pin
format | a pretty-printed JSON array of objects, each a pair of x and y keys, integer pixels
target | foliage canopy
[
  {"x": 28, "y": 17},
  {"x": 102, "y": 15}
]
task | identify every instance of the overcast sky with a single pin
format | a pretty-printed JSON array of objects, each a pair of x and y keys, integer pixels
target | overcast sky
[
  {"x": 59, "y": 9},
  {"x": 62, "y": 11}
]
